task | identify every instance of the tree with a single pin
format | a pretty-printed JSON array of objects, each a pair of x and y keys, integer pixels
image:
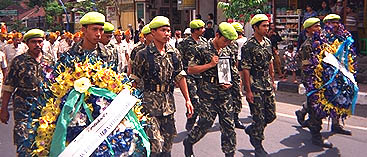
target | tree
[
  {"x": 53, "y": 9},
  {"x": 5, "y": 3},
  {"x": 243, "y": 9}
]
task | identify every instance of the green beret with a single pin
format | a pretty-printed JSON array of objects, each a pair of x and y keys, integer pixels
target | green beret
[
  {"x": 159, "y": 21},
  {"x": 228, "y": 31},
  {"x": 92, "y": 18},
  {"x": 331, "y": 17},
  {"x": 237, "y": 26},
  {"x": 197, "y": 24},
  {"x": 257, "y": 18},
  {"x": 146, "y": 29},
  {"x": 310, "y": 21},
  {"x": 33, "y": 33},
  {"x": 108, "y": 27}
]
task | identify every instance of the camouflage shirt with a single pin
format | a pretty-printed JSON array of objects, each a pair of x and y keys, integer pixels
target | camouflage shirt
[
  {"x": 151, "y": 68},
  {"x": 256, "y": 57},
  {"x": 305, "y": 51},
  {"x": 188, "y": 49},
  {"x": 25, "y": 75},
  {"x": 136, "y": 50},
  {"x": 106, "y": 53},
  {"x": 210, "y": 85}
]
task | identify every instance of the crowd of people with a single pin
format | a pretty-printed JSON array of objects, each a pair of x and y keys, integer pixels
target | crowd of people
[{"x": 158, "y": 63}]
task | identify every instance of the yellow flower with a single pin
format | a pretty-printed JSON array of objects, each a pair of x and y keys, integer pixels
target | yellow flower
[{"x": 82, "y": 85}]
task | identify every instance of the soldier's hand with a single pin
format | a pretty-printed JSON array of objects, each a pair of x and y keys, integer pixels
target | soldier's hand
[
  {"x": 249, "y": 97},
  {"x": 226, "y": 86},
  {"x": 4, "y": 116},
  {"x": 190, "y": 109},
  {"x": 214, "y": 61},
  {"x": 274, "y": 86}
]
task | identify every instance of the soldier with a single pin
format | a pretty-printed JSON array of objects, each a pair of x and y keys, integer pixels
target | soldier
[
  {"x": 236, "y": 88},
  {"x": 109, "y": 52},
  {"x": 331, "y": 20},
  {"x": 312, "y": 26},
  {"x": 92, "y": 28},
  {"x": 148, "y": 38},
  {"x": 24, "y": 75},
  {"x": 258, "y": 72},
  {"x": 215, "y": 98},
  {"x": 156, "y": 69},
  {"x": 188, "y": 50}
]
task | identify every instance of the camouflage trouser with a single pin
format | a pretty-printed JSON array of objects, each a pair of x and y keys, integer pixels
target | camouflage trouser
[
  {"x": 263, "y": 113},
  {"x": 211, "y": 107},
  {"x": 236, "y": 94},
  {"x": 192, "y": 85},
  {"x": 161, "y": 131},
  {"x": 314, "y": 121}
]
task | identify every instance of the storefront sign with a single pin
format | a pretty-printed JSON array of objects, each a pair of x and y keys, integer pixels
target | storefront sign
[
  {"x": 8, "y": 12},
  {"x": 186, "y": 4}
]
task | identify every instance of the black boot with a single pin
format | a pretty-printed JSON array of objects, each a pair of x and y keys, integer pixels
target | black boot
[
  {"x": 229, "y": 154},
  {"x": 190, "y": 123},
  {"x": 338, "y": 129},
  {"x": 188, "y": 148},
  {"x": 237, "y": 123},
  {"x": 301, "y": 117},
  {"x": 259, "y": 149},
  {"x": 155, "y": 154},
  {"x": 322, "y": 142}
]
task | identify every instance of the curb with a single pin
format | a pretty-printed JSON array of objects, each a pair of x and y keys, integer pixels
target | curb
[{"x": 300, "y": 89}]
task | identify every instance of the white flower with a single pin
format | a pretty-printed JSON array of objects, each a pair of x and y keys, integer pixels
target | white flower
[{"x": 82, "y": 85}]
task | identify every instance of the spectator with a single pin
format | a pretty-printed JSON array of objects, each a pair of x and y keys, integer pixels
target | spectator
[
  {"x": 325, "y": 10},
  {"x": 209, "y": 31},
  {"x": 291, "y": 62},
  {"x": 309, "y": 13},
  {"x": 130, "y": 27},
  {"x": 351, "y": 23},
  {"x": 275, "y": 38},
  {"x": 338, "y": 8}
]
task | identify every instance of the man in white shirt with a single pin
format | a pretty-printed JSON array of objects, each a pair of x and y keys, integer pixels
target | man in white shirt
[
  {"x": 127, "y": 46},
  {"x": 15, "y": 49},
  {"x": 3, "y": 71}
]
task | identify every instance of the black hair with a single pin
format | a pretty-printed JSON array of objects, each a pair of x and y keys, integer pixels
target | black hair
[
  {"x": 239, "y": 33},
  {"x": 220, "y": 33},
  {"x": 209, "y": 22},
  {"x": 198, "y": 16},
  {"x": 290, "y": 47},
  {"x": 211, "y": 15},
  {"x": 192, "y": 30},
  {"x": 86, "y": 25},
  {"x": 257, "y": 24}
]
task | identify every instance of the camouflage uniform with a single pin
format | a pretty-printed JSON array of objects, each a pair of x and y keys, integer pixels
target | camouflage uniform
[
  {"x": 188, "y": 50},
  {"x": 107, "y": 53},
  {"x": 134, "y": 52},
  {"x": 314, "y": 121},
  {"x": 236, "y": 89},
  {"x": 25, "y": 76},
  {"x": 214, "y": 99},
  {"x": 156, "y": 74},
  {"x": 256, "y": 58}
]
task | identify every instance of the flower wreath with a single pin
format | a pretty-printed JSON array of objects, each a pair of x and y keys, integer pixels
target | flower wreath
[{"x": 74, "y": 92}]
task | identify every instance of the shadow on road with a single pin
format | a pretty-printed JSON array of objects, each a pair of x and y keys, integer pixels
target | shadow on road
[{"x": 300, "y": 145}]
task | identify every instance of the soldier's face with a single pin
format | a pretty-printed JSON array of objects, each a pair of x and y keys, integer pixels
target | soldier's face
[
  {"x": 221, "y": 41},
  {"x": 35, "y": 45},
  {"x": 200, "y": 31},
  {"x": 263, "y": 28},
  {"x": 118, "y": 38},
  {"x": 162, "y": 34},
  {"x": 316, "y": 28},
  {"x": 106, "y": 38},
  {"x": 93, "y": 33}
]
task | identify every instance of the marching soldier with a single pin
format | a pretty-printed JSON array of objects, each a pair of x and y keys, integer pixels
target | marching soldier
[
  {"x": 258, "y": 72},
  {"x": 188, "y": 50},
  {"x": 109, "y": 52},
  {"x": 156, "y": 69},
  {"x": 311, "y": 25},
  {"x": 215, "y": 97}
]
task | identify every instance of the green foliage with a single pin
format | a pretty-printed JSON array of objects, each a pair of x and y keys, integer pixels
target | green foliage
[
  {"x": 52, "y": 9},
  {"x": 242, "y": 9},
  {"x": 88, "y": 5},
  {"x": 5, "y": 3},
  {"x": 40, "y": 3}
]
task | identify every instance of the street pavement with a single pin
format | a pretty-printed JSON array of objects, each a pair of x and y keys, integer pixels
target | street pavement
[{"x": 283, "y": 138}]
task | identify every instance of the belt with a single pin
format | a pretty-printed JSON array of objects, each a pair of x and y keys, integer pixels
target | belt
[
  {"x": 210, "y": 79},
  {"x": 158, "y": 87}
]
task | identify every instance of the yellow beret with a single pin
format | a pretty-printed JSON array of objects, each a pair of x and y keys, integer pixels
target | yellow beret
[
  {"x": 197, "y": 24},
  {"x": 34, "y": 33},
  {"x": 108, "y": 27},
  {"x": 310, "y": 21},
  {"x": 258, "y": 17},
  {"x": 146, "y": 29},
  {"x": 92, "y": 18},
  {"x": 237, "y": 26},
  {"x": 228, "y": 31},
  {"x": 331, "y": 17},
  {"x": 159, "y": 21}
]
